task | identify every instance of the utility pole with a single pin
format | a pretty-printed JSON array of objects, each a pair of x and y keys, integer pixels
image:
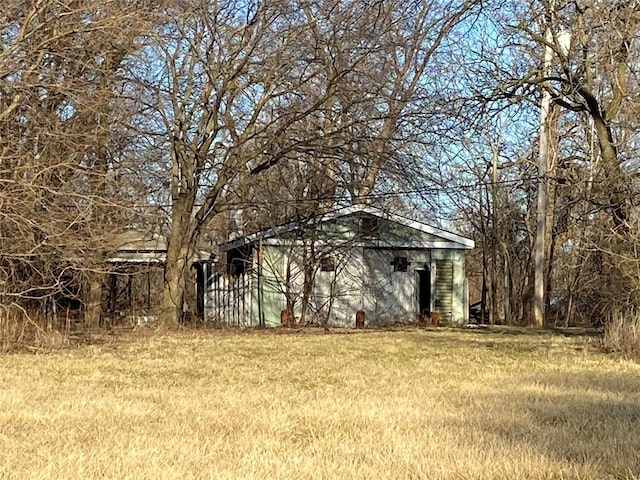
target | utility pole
[
  {"x": 494, "y": 235},
  {"x": 485, "y": 268},
  {"x": 543, "y": 159}
]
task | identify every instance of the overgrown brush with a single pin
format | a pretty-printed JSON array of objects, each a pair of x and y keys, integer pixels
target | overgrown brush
[
  {"x": 622, "y": 334},
  {"x": 20, "y": 331}
]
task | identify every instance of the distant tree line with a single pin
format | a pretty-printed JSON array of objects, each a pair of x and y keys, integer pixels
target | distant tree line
[{"x": 168, "y": 116}]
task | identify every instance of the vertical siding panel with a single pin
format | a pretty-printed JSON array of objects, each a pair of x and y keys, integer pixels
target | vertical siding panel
[{"x": 444, "y": 289}]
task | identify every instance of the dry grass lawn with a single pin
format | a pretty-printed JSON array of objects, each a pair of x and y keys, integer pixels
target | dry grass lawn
[{"x": 439, "y": 404}]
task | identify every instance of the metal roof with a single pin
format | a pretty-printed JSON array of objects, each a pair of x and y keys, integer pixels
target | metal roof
[
  {"x": 136, "y": 246},
  {"x": 451, "y": 240}
]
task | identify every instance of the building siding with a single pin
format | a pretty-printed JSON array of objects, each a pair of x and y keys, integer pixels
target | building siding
[{"x": 366, "y": 276}]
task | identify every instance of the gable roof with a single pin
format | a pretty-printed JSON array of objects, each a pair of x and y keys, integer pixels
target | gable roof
[
  {"x": 139, "y": 246},
  {"x": 451, "y": 240}
]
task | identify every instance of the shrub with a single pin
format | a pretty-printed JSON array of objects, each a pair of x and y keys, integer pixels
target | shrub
[
  {"x": 622, "y": 334},
  {"x": 19, "y": 331}
]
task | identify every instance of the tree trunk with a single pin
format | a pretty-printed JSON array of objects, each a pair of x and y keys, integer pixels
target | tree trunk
[
  {"x": 189, "y": 296},
  {"x": 307, "y": 287},
  {"x": 94, "y": 301},
  {"x": 613, "y": 175},
  {"x": 180, "y": 252},
  {"x": 485, "y": 268},
  {"x": 172, "y": 295},
  {"x": 550, "y": 231},
  {"x": 288, "y": 291},
  {"x": 541, "y": 211},
  {"x": 494, "y": 238},
  {"x": 507, "y": 288}
]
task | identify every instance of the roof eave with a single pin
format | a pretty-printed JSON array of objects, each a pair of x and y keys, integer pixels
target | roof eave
[{"x": 465, "y": 243}]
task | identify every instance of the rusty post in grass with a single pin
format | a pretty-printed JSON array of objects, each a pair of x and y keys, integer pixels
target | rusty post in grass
[{"x": 286, "y": 318}]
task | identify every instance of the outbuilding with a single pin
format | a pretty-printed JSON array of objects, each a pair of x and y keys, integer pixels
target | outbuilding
[{"x": 325, "y": 269}]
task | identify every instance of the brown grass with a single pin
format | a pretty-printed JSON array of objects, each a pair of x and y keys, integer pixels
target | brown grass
[
  {"x": 20, "y": 331},
  {"x": 622, "y": 334},
  {"x": 439, "y": 404}
]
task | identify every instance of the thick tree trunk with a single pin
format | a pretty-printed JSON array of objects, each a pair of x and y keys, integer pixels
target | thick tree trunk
[
  {"x": 172, "y": 296},
  {"x": 540, "y": 249},
  {"x": 180, "y": 252},
  {"x": 550, "y": 233}
]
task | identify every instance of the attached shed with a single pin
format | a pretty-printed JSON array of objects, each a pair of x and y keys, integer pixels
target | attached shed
[
  {"x": 133, "y": 285},
  {"x": 324, "y": 270}
]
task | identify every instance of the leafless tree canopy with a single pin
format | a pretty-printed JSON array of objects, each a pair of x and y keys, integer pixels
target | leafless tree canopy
[
  {"x": 63, "y": 184},
  {"x": 244, "y": 94},
  {"x": 590, "y": 260},
  {"x": 171, "y": 117}
]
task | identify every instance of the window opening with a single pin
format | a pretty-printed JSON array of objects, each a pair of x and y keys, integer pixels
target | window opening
[
  {"x": 400, "y": 264},
  {"x": 328, "y": 264},
  {"x": 369, "y": 227}
]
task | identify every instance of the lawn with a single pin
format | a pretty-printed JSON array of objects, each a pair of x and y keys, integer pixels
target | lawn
[{"x": 449, "y": 404}]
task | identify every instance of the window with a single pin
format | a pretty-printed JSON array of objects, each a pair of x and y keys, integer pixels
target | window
[
  {"x": 238, "y": 262},
  {"x": 369, "y": 227},
  {"x": 400, "y": 264},
  {"x": 236, "y": 266},
  {"x": 328, "y": 264}
]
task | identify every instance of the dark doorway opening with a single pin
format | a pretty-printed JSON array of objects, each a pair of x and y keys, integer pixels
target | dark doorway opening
[
  {"x": 424, "y": 291},
  {"x": 201, "y": 287}
]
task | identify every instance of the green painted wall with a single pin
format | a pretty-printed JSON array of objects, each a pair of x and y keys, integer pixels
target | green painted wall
[
  {"x": 269, "y": 273},
  {"x": 267, "y": 297},
  {"x": 458, "y": 304},
  {"x": 348, "y": 228}
]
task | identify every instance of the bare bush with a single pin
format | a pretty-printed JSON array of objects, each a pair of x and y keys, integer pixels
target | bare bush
[
  {"x": 65, "y": 183},
  {"x": 19, "y": 331},
  {"x": 622, "y": 334}
]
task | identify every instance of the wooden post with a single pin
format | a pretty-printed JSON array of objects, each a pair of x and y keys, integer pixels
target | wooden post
[{"x": 285, "y": 318}]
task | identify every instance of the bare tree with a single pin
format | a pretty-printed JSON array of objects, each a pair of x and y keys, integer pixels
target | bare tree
[
  {"x": 591, "y": 80},
  {"x": 60, "y": 147},
  {"x": 224, "y": 90},
  {"x": 235, "y": 89},
  {"x": 385, "y": 53}
]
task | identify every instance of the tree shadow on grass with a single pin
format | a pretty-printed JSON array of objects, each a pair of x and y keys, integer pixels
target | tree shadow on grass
[
  {"x": 587, "y": 422},
  {"x": 508, "y": 342},
  {"x": 531, "y": 331}
]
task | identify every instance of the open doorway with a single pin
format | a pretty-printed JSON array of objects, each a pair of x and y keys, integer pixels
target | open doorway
[{"x": 424, "y": 291}]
